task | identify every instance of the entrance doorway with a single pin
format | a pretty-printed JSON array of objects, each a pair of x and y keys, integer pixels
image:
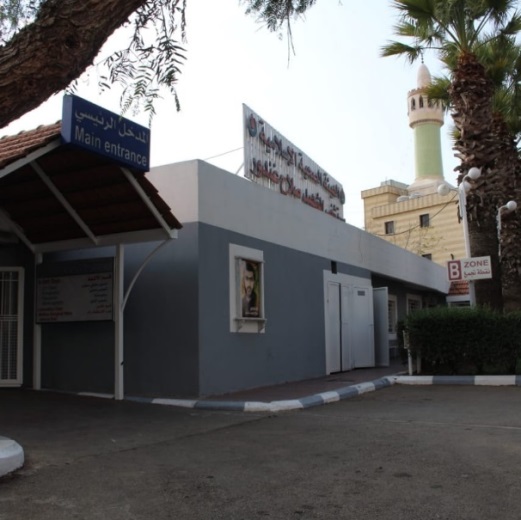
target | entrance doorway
[
  {"x": 349, "y": 323},
  {"x": 11, "y": 326}
]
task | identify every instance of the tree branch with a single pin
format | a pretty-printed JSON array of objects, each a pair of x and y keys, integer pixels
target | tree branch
[{"x": 44, "y": 57}]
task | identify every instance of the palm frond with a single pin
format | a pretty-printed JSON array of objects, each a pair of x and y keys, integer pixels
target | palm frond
[{"x": 411, "y": 53}]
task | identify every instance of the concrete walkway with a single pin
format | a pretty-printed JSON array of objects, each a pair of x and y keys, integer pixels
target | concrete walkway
[{"x": 251, "y": 401}]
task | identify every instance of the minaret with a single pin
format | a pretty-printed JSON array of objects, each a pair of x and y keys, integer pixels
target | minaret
[{"x": 426, "y": 119}]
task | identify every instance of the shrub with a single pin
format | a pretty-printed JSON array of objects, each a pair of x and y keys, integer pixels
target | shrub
[{"x": 456, "y": 340}]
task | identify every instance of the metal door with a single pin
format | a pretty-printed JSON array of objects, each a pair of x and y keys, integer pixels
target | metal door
[{"x": 11, "y": 326}]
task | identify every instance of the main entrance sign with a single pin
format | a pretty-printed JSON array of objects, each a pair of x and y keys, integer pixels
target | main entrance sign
[{"x": 93, "y": 128}]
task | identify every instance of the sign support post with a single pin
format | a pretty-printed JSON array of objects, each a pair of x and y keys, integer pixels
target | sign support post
[
  {"x": 119, "y": 392},
  {"x": 37, "y": 339}
]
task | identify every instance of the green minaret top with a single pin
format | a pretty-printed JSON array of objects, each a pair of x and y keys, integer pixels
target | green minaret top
[{"x": 426, "y": 119}]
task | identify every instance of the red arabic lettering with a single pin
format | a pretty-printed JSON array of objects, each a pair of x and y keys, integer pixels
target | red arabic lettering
[
  {"x": 287, "y": 187},
  {"x": 314, "y": 200},
  {"x": 260, "y": 169}
]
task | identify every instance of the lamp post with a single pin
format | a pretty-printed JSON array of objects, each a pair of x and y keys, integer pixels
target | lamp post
[
  {"x": 465, "y": 186},
  {"x": 510, "y": 206}
]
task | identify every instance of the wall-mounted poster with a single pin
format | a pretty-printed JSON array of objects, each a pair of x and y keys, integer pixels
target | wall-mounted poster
[{"x": 250, "y": 288}]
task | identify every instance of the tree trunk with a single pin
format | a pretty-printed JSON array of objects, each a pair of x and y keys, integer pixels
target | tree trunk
[
  {"x": 47, "y": 55},
  {"x": 508, "y": 188},
  {"x": 471, "y": 99}
]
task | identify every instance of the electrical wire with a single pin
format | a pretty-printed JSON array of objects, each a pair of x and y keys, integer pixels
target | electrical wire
[{"x": 224, "y": 153}]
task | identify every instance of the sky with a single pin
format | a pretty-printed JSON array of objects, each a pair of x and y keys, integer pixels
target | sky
[{"x": 334, "y": 98}]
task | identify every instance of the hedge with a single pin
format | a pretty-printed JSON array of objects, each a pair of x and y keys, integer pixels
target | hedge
[{"x": 462, "y": 340}]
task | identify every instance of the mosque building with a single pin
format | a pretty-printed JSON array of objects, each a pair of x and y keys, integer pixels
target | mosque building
[{"x": 416, "y": 217}]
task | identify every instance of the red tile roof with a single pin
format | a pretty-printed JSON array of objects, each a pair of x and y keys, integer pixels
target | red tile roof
[
  {"x": 459, "y": 288},
  {"x": 95, "y": 187},
  {"x": 14, "y": 147}
]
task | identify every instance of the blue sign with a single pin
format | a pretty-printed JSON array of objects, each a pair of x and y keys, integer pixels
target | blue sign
[{"x": 93, "y": 128}]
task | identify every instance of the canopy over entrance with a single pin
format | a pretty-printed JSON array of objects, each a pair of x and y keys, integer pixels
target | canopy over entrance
[{"x": 54, "y": 196}]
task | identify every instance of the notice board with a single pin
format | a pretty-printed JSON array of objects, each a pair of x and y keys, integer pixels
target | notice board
[{"x": 74, "y": 297}]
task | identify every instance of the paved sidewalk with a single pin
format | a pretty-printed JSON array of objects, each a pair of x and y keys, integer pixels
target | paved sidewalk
[
  {"x": 294, "y": 395},
  {"x": 324, "y": 390}
]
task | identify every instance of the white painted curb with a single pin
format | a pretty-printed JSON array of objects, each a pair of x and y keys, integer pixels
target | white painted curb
[{"x": 11, "y": 456}]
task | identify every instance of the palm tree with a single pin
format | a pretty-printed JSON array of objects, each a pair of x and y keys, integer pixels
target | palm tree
[
  {"x": 506, "y": 126},
  {"x": 457, "y": 29},
  {"x": 502, "y": 61}
]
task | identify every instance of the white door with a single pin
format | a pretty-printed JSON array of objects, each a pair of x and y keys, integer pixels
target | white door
[
  {"x": 362, "y": 331},
  {"x": 345, "y": 311},
  {"x": 348, "y": 313},
  {"x": 333, "y": 335},
  {"x": 11, "y": 326},
  {"x": 381, "y": 326}
]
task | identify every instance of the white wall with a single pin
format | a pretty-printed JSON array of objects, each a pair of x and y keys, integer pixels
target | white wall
[{"x": 198, "y": 191}]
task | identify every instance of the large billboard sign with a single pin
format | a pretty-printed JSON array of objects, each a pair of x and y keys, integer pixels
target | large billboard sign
[
  {"x": 273, "y": 161},
  {"x": 93, "y": 128},
  {"x": 478, "y": 268}
]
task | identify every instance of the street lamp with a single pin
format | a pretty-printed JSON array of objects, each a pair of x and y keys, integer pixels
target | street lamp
[
  {"x": 510, "y": 206},
  {"x": 464, "y": 187}
]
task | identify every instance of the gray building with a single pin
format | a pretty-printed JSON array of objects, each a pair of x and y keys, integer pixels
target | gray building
[{"x": 257, "y": 289}]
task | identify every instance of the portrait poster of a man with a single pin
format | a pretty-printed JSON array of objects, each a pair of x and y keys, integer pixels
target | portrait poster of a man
[{"x": 250, "y": 295}]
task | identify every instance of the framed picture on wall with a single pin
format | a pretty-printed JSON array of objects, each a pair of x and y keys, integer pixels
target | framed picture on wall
[{"x": 250, "y": 288}]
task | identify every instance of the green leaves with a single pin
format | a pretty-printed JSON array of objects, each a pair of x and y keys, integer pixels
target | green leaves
[
  {"x": 152, "y": 62},
  {"x": 401, "y": 49},
  {"x": 275, "y": 13},
  {"x": 460, "y": 24}
]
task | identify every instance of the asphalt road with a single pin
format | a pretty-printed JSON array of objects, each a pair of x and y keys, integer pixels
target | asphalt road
[{"x": 436, "y": 452}]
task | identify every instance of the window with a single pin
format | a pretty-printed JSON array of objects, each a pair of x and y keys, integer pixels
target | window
[
  {"x": 389, "y": 227},
  {"x": 414, "y": 303},
  {"x": 428, "y": 256},
  {"x": 462, "y": 304},
  {"x": 424, "y": 220}
]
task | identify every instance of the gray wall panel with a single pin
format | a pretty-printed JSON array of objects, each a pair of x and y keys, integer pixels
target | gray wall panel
[
  {"x": 161, "y": 339},
  {"x": 78, "y": 356},
  {"x": 161, "y": 344},
  {"x": 201, "y": 192},
  {"x": 292, "y": 347}
]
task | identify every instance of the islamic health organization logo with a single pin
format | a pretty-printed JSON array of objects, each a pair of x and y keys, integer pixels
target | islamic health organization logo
[{"x": 251, "y": 125}]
